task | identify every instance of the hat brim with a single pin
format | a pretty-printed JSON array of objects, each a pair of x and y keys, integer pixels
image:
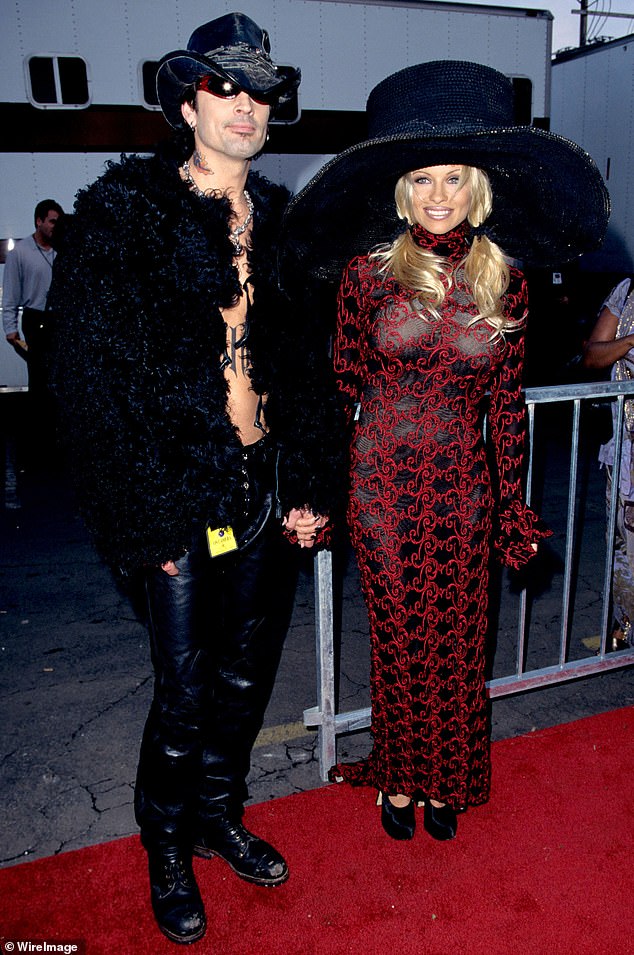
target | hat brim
[
  {"x": 550, "y": 204},
  {"x": 179, "y": 70}
]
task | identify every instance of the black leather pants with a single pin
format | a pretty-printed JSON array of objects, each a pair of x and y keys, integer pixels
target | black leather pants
[{"x": 216, "y": 631}]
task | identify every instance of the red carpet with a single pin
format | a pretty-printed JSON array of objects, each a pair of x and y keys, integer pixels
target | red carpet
[{"x": 546, "y": 868}]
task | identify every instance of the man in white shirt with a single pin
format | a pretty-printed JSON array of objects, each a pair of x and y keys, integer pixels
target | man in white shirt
[
  {"x": 27, "y": 278},
  {"x": 28, "y": 269}
]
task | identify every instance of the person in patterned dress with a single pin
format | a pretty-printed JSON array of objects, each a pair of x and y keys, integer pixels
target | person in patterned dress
[{"x": 429, "y": 340}]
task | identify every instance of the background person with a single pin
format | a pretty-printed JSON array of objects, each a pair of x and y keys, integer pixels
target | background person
[
  {"x": 201, "y": 421},
  {"x": 429, "y": 321},
  {"x": 611, "y": 345},
  {"x": 28, "y": 272}
]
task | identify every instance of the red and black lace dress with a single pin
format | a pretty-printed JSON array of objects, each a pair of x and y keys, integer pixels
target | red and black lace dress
[{"x": 422, "y": 515}]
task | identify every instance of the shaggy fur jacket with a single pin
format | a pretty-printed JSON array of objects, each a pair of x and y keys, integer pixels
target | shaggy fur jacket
[{"x": 144, "y": 269}]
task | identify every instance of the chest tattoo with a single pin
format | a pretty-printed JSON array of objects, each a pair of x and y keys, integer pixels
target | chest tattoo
[{"x": 236, "y": 358}]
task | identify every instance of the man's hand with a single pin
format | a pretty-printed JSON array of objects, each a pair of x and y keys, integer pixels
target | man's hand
[{"x": 13, "y": 338}]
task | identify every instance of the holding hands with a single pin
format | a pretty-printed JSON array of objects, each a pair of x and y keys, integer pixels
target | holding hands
[{"x": 304, "y": 524}]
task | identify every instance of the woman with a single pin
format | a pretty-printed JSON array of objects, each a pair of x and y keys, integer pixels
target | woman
[
  {"x": 611, "y": 345},
  {"x": 430, "y": 322}
]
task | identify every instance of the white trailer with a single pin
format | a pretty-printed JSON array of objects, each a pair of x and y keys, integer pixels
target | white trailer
[
  {"x": 593, "y": 104},
  {"x": 77, "y": 82}
]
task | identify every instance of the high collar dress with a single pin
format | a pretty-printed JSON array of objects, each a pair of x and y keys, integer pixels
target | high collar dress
[{"x": 423, "y": 514}]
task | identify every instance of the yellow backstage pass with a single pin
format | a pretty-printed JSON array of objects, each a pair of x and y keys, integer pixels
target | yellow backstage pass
[{"x": 220, "y": 540}]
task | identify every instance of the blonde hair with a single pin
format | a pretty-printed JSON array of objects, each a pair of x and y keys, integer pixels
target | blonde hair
[{"x": 485, "y": 267}]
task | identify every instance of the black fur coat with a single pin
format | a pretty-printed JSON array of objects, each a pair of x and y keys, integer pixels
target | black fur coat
[{"x": 144, "y": 268}]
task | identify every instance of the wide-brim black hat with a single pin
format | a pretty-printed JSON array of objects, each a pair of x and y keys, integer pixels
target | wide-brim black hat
[
  {"x": 550, "y": 204},
  {"x": 233, "y": 48}
]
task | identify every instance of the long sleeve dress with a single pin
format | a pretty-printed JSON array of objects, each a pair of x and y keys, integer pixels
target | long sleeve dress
[{"x": 422, "y": 516}]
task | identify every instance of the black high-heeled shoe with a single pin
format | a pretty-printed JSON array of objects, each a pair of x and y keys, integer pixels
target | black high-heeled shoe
[
  {"x": 440, "y": 822},
  {"x": 399, "y": 823}
]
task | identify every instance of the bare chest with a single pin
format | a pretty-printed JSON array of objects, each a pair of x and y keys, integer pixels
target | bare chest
[{"x": 244, "y": 405}]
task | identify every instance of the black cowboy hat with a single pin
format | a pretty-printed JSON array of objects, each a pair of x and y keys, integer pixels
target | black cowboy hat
[
  {"x": 549, "y": 201},
  {"x": 233, "y": 48}
]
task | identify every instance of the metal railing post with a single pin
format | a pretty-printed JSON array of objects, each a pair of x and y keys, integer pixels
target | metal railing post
[{"x": 323, "y": 715}]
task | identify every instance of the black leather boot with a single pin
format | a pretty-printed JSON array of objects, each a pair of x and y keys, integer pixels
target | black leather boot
[
  {"x": 176, "y": 901},
  {"x": 250, "y": 857}
]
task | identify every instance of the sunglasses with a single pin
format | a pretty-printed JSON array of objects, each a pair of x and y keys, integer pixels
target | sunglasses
[{"x": 227, "y": 89}]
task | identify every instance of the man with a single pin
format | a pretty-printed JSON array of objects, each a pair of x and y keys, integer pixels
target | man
[
  {"x": 201, "y": 422},
  {"x": 27, "y": 278},
  {"x": 28, "y": 271}
]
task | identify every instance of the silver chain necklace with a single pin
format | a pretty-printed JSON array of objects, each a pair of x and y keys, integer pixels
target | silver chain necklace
[
  {"x": 43, "y": 253},
  {"x": 235, "y": 234}
]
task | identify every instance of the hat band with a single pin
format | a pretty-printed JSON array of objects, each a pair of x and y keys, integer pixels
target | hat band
[{"x": 240, "y": 48}]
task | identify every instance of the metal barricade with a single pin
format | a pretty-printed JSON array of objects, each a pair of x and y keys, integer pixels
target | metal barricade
[{"x": 324, "y": 715}]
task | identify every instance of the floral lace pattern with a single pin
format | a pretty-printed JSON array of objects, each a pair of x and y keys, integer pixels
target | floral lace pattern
[{"x": 421, "y": 514}]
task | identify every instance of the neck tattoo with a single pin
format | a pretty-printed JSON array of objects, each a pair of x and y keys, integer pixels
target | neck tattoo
[{"x": 235, "y": 234}]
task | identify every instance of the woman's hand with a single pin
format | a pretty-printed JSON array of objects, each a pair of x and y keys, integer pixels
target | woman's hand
[{"x": 304, "y": 524}]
